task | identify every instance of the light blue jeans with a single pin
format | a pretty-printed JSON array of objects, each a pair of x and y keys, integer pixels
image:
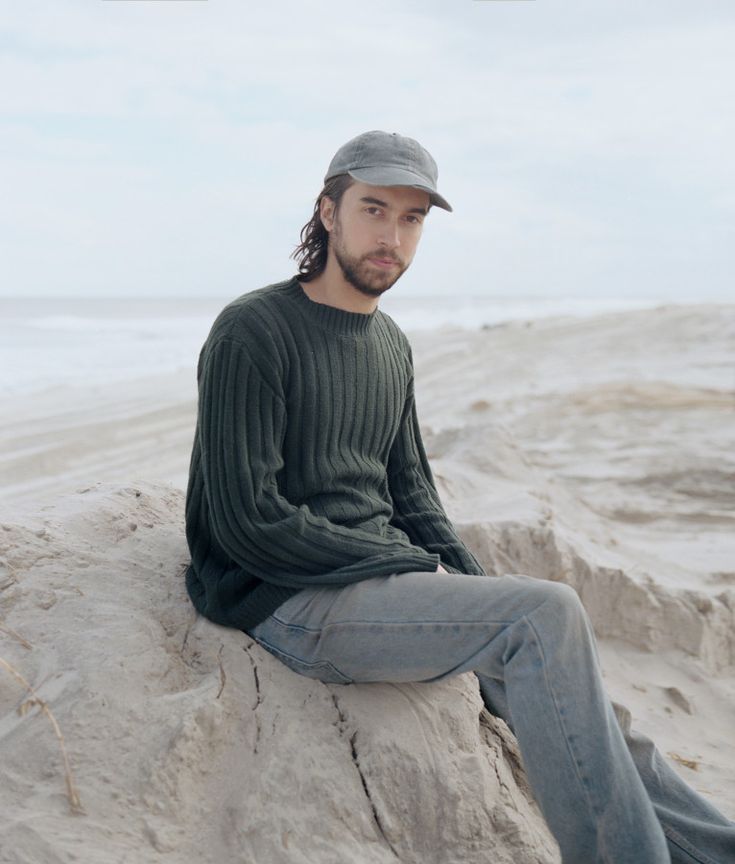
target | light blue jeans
[{"x": 606, "y": 793}]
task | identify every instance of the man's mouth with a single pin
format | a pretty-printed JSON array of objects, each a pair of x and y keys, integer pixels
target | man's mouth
[{"x": 384, "y": 262}]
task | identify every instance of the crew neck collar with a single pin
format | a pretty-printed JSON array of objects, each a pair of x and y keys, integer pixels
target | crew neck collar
[{"x": 330, "y": 317}]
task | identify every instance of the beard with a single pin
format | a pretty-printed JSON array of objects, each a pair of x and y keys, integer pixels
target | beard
[{"x": 360, "y": 273}]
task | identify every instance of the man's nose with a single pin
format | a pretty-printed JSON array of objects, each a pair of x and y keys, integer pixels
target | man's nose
[{"x": 389, "y": 235}]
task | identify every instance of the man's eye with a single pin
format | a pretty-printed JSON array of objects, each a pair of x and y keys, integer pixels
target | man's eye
[{"x": 372, "y": 210}]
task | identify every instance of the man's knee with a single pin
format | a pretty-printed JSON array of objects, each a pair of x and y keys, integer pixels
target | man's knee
[{"x": 555, "y": 598}]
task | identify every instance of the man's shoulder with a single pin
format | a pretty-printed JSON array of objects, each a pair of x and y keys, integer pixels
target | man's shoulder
[
  {"x": 248, "y": 329},
  {"x": 395, "y": 334},
  {"x": 255, "y": 313},
  {"x": 392, "y": 328}
]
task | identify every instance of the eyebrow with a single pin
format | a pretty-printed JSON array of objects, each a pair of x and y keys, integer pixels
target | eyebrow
[{"x": 380, "y": 203}]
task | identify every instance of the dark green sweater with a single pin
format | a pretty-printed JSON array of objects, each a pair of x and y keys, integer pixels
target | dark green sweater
[{"x": 308, "y": 466}]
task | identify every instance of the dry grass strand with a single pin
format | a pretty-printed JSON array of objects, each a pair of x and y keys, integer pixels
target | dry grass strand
[
  {"x": 9, "y": 630},
  {"x": 35, "y": 700}
]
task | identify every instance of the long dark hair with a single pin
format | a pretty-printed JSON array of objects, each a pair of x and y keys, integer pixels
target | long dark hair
[{"x": 311, "y": 253}]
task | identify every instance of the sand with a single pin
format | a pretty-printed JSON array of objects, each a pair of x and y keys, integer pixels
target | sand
[{"x": 598, "y": 452}]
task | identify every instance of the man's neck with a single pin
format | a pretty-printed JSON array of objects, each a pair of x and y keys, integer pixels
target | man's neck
[{"x": 333, "y": 290}]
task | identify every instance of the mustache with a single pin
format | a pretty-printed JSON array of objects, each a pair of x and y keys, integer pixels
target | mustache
[{"x": 384, "y": 257}]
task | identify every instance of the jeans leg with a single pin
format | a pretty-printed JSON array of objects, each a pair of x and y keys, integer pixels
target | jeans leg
[
  {"x": 696, "y": 831},
  {"x": 531, "y": 635}
]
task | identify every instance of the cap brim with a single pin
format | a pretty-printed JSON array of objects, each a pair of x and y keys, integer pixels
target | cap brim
[{"x": 390, "y": 176}]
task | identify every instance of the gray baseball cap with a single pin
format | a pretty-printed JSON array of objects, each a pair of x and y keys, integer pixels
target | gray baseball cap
[{"x": 388, "y": 159}]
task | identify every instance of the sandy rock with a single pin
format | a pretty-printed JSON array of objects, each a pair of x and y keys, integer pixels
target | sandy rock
[{"x": 189, "y": 742}]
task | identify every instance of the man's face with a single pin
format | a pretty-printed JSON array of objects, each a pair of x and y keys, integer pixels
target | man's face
[{"x": 375, "y": 232}]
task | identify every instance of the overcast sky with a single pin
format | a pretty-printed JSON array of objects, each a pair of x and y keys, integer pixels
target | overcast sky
[{"x": 175, "y": 147}]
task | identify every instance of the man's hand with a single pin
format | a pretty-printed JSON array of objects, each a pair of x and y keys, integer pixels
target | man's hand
[{"x": 440, "y": 569}]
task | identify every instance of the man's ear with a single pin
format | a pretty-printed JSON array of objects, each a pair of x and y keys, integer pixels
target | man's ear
[{"x": 326, "y": 212}]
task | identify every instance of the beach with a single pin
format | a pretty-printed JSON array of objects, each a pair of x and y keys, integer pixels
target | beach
[{"x": 598, "y": 450}]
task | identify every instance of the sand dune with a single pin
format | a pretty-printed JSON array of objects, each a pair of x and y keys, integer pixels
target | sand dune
[{"x": 189, "y": 742}]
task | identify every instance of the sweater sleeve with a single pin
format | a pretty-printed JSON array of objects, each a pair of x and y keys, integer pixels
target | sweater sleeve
[
  {"x": 241, "y": 426},
  {"x": 418, "y": 510}
]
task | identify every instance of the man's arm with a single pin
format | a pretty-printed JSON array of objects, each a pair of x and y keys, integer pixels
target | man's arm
[
  {"x": 418, "y": 511},
  {"x": 241, "y": 425}
]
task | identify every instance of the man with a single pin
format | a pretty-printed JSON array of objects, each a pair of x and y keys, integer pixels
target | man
[{"x": 314, "y": 524}]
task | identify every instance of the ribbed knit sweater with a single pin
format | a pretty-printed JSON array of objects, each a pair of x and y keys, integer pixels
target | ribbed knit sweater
[{"x": 308, "y": 467}]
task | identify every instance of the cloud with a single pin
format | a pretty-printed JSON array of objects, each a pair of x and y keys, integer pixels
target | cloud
[{"x": 174, "y": 147}]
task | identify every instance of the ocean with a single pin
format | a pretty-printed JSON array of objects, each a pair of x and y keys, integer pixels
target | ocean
[{"x": 45, "y": 343}]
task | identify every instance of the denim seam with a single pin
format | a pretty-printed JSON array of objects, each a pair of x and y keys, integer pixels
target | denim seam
[
  {"x": 585, "y": 791},
  {"x": 276, "y": 651},
  {"x": 673, "y": 835},
  {"x": 386, "y": 624}
]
